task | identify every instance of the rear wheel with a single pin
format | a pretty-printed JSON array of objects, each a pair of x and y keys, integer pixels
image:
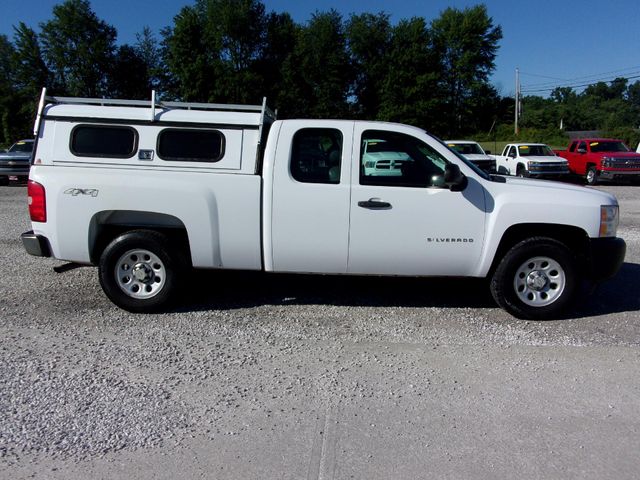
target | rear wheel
[
  {"x": 591, "y": 176},
  {"x": 537, "y": 279},
  {"x": 138, "y": 273}
]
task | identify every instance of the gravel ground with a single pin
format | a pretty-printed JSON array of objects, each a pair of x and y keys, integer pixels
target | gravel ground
[{"x": 257, "y": 376}]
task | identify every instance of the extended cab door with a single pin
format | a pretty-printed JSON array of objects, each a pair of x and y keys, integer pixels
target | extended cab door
[
  {"x": 404, "y": 221},
  {"x": 306, "y": 199}
]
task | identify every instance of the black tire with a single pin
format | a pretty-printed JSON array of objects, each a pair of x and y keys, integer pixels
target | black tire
[
  {"x": 517, "y": 283},
  {"x": 135, "y": 255},
  {"x": 522, "y": 172},
  {"x": 4, "y": 180},
  {"x": 591, "y": 177}
]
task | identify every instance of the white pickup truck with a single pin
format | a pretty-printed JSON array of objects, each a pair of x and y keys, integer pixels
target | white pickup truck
[
  {"x": 531, "y": 160},
  {"x": 148, "y": 190}
]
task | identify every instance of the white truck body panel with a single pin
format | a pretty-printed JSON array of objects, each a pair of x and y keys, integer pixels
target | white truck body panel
[{"x": 308, "y": 223}]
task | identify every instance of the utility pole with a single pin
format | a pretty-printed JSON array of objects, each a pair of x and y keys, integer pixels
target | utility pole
[{"x": 517, "y": 109}]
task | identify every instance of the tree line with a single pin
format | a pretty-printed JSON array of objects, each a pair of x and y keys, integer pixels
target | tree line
[
  {"x": 433, "y": 74},
  {"x": 430, "y": 73}
]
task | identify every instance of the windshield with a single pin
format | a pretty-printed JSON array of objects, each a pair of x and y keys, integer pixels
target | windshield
[
  {"x": 608, "y": 147},
  {"x": 535, "y": 151},
  {"x": 25, "y": 147},
  {"x": 466, "y": 148}
]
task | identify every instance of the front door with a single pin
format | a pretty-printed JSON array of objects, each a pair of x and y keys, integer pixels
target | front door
[{"x": 404, "y": 221}]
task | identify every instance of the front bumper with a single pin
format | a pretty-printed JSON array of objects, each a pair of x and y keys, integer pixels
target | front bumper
[
  {"x": 36, "y": 245},
  {"x": 618, "y": 174},
  {"x": 607, "y": 256}
]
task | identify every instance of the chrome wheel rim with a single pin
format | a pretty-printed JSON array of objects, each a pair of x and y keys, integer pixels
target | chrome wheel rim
[
  {"x": 140, "y": 273},
  {"x": 539, "y": 281},
  {"x": 591, "y": 175}
]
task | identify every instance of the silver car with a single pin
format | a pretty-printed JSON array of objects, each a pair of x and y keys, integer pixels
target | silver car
[{"x": 16, "y": 161}]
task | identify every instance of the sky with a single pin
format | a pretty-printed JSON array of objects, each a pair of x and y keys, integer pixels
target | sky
[{"x": 552, "y": 42}]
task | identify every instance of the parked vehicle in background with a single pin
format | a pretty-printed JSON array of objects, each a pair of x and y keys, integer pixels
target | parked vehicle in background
[
  {"x": 530, "y": 160},
  {"x": 473, "y": 152},
  {"x": 598, "y": 159},
  {"x": 16, "y": 161},
  {"x": 147, "y": 190}
]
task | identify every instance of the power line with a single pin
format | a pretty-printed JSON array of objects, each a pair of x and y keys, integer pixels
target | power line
[
  {"x": 547, "y": 89},
  {"x": 583, "y": 78}
]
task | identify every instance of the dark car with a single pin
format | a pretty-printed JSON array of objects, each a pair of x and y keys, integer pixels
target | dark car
[{"x": 16, "y": 161}]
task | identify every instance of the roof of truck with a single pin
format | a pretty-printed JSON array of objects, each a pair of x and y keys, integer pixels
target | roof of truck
[{"x": 137, "y": 114}]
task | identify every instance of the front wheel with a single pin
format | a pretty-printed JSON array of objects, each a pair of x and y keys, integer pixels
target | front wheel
[
  {"x": 537, "y": 279},
  {"x": 592, "y": 176},
  {"x": 138, "y": 273}
]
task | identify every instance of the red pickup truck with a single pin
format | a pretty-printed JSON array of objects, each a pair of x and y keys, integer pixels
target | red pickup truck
[{"x": 602, "y": 159}]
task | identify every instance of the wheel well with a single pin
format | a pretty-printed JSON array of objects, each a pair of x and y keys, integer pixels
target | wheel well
[
  {"x": 574, "y": 238},
  {"x": 520, "y": 167},
  {"x": 107, "y": 225},
  {"x": 589, "y": 165}
]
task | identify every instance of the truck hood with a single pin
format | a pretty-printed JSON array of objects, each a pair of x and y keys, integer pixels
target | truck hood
[
  {"x": 545, "y": 159},
  {"x": 549, "y": 188}
]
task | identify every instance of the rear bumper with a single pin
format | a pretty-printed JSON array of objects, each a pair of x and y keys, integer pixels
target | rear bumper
[
  {"x": 607, "y": 256},
  {"x": 36, "y": 245}
]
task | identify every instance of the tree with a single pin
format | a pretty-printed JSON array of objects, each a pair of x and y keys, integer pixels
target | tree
[
  {"x": 410, "y": 86},
  {"x": 317, "y": 75},
  {"x": 7, "y": 92},
  {"x": 30, "y": 71},
  {"x": 79, "y": 49},
  {"x": 192, "y": 60},
  {"x": 129, "y": 75},
  {"x": 369, "y": 40},
  {"x": 213, "y": 50},
  {"x": 281, "y": 34},
  {"x": 147, "y": 49},
  {"x": 466, "y": 42}
]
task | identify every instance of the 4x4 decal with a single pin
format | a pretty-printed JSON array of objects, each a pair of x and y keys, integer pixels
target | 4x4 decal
[{"x": 92, "y": 192}]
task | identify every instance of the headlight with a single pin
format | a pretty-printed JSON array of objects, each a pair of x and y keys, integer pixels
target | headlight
[
  {"x": 607, "y": 162},
  {"x": 609, "y": 219},
  {"x": 533, "y": 166}
]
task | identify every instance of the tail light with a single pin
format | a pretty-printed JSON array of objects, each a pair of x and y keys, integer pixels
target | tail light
[{"x": 37, "y": 202}]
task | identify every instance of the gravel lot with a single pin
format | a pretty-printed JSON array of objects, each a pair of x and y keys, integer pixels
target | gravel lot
[{"x": 258, "y": 376}]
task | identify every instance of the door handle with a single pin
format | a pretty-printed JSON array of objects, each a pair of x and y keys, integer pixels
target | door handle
[{"x": 374, "y": 204}]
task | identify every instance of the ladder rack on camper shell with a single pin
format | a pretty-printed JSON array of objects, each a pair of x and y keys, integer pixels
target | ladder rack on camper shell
[{"x": 265, "y": 112}]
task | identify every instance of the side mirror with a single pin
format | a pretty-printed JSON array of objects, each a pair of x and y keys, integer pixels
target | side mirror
[
  {"x": 582, "y": 150},
  {"x": 488, "y": 152},
  {"x": 454, "y": 179}
]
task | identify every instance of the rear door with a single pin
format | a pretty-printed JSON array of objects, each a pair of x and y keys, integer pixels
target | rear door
[
  {"x": 309, "y": 206},
  {"x": 404, "y": 221}
]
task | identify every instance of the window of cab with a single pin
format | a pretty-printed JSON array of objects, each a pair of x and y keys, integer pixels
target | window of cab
[
  {"x": 103, "y": 141},
  {"x": 190, "y": 145}
]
